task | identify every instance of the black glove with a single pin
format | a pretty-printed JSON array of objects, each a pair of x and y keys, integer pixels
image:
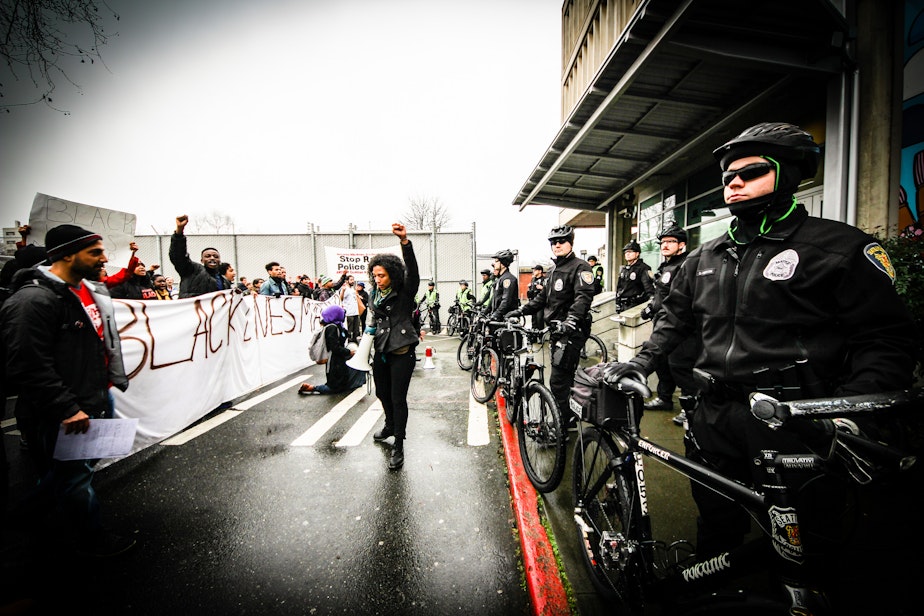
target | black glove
[
  {"x": 647, "y": 312},
  {"x": 514, "y": 314},
  {"x": 616, "y": 371}
]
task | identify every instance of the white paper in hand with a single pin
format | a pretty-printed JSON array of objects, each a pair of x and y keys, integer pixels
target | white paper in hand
[{"x": 106, "y": 438}]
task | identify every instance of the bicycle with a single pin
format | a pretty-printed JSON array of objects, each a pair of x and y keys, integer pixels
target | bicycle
[
  {"x": 429, "y": 313},
  {"x": 611, "y": 516},
  {"x": 472, "y": 341},
  {"x": 531, "y": 407},
  {"x": 592, "y": 353},
  {"x": 459, "y": 320}
]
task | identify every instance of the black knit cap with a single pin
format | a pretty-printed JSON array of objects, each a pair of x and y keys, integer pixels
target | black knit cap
[{"x": 65, "y": 240}]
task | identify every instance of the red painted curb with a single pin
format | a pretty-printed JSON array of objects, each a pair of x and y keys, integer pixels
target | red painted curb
[{"x": 543, "y": 582}]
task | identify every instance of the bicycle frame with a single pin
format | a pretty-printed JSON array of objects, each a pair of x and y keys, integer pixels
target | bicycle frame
[{"x": 772, "y": 508}]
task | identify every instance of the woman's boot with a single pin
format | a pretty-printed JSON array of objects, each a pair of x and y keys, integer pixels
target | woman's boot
[{"x": 397, "y": 455}]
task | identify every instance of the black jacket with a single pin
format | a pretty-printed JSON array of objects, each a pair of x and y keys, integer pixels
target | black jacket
[
  {"x": 392, "y": 316},
  {"x": 53, "y": 353},
  {"x": 506, "y": 295},
  {"x": 194, "y": 278},
  {"x": 569, "y": 292},
  {"x": 662, "y": 284},
  {"x": 634, "y": 286},
  {"x": 810, "y": 289}
]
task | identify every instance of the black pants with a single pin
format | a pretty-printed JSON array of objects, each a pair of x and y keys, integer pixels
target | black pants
[
  {"x": 392, "y": 375},
  {"x": 564, "y": 363}
]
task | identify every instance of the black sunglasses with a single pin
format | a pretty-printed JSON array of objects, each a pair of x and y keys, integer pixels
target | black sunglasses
[
  {"x": 558, "y": 241},
  {"x": 748, "y": 172}
]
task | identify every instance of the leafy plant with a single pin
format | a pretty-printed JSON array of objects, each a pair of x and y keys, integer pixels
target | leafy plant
[{"x": 906, "y": 251}]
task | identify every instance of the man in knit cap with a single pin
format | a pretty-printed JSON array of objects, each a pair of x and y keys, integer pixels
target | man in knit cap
[{"x": 63, "y": 352}]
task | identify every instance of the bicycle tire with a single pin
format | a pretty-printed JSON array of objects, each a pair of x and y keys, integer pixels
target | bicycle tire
[
  {"x": 593, "y": 353},
  {"x": 541, "y": 437},
  {"x": 511, "y": 402},
  {"x": 617, "y": 571},
  {"x": 485, "y": 373},
  {"x": 464, "y": 354},
  {"x": 452, "y": 325},
  {"x": 465, "y": 324}
]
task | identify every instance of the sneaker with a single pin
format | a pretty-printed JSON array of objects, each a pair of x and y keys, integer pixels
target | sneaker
[
  {"x": 105, "y": 544},
  {"x": 307, "y": 389},
  {"x": 680, "y": 418},
  {"x": 659, "y": 404}
]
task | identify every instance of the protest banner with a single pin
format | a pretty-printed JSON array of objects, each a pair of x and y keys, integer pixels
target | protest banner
[
  {"x": 355, "y": 261},
  {"x": 184, "y": 358},
  {"x": 117, "y": 228}
]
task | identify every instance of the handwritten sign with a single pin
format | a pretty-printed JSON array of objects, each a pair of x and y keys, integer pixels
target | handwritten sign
[{"x": 117, "y": 228}]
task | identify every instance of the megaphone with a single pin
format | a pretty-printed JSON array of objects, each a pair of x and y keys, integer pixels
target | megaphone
[{"x": 360, "y": 359}]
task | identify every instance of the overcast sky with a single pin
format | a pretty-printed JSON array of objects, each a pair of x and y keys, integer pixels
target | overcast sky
[{"x": 280, "y": 113}]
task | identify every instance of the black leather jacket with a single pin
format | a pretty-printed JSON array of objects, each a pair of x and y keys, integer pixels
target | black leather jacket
[
  {"x": 194, "y": 278},
  {"x": 569, "y": 291},
  {"x": 506, "y": 295}
]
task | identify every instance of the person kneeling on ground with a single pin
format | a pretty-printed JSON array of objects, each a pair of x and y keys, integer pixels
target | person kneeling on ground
[{"x": 340, "y": 377}]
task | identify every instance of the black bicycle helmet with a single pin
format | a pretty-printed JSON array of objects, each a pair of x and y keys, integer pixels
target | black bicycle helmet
[
  {"x": 777, "y": 140},
  {"x": 591, "y": 258},
  {"x": 485, "y": 272},
  {"x": 674, "y": 231},
  {"x": 465, "y": 282},
  {"x": 504, "y": 256},
  {"x": 563, "y": 232}
]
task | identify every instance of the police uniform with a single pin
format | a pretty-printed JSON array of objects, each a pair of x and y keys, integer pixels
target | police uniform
[
  {"x": 506, "y": 295},
  {"x": 808, "y": 289},
  {"x": 569, "y": 291},
  {"x": 634, "y": 286},
  {"x": 535, "y": 288}
]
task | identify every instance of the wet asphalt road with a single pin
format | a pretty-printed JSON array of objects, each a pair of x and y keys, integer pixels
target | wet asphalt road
[{"x": 240, "y": 521}]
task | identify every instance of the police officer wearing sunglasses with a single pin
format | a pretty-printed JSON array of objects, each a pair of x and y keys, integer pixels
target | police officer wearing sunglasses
[
  {"x": 783, "y": 302},
  {"x": 567, "y": 296}
]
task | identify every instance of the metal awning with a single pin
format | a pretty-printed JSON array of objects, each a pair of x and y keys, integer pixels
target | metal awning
[{"x": 682, "y": 77}]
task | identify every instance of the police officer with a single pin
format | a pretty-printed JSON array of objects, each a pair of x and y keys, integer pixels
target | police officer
[
  {"x": 782, "y": 293},
  {"x": 535, "y": 288},
  {"x": 597, "y": 269},
  {"x": 487, "y": 289},
  {"x": 569, "y": 291},
  {"x": 678, "y": 368},
  {"x": 634, "y": 286},
  {"x": 506, "y": 288},
  {"x": 464, "y": 296}
]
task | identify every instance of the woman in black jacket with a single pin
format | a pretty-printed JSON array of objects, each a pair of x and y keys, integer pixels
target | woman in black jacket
[
  {"x": 136, "y": 286},
  {"x": 390, "y": 308}
]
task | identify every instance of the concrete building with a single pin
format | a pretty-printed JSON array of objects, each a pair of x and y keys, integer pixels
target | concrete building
[{"x": 650, "y": 87}]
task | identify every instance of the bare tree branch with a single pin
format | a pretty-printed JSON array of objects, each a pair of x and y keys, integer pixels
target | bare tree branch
[
  {"x": 425, "y": 213},
  {"x": 37, "y": 38},
  {"x": 212, "y": 222}
]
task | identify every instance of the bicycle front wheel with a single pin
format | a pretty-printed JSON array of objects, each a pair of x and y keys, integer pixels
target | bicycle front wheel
[
  {"x": 606, "y": 520},
  {"x": 541, "y": 437},
  {"x": 465, "y": 355},
  {"x": 465, "y": 324},
  {"x": 593, "y": 353},
  {"x": 452, "y": 324},
  {"x": 485, "y": 374}
]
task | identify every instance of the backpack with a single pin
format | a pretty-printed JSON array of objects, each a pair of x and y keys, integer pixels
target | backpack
[{"x": 317, "y": 348}]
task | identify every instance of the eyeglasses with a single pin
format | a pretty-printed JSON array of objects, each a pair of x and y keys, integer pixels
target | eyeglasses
[
  {"x": 748, "y": 172},
  {"x": 553, "y": 242}
]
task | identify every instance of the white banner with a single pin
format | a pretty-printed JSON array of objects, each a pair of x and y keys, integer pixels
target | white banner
[
  {"x": 186, "y": 357},
  {"x": 354, "y": 260},
  {"x": 117, "y": 228}
]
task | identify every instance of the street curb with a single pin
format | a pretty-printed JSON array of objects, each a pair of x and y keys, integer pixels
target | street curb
[{"x": 543, "y": 582}]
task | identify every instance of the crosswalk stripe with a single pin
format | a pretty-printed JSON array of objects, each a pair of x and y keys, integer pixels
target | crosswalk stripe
[
  {"x": 184, "y": 437},
  {"x": 249, "y": 403},
  {"x": 477, "y": 423},
  {"x": 315, "y": 432},
  {"x": 357, "y": 434}
]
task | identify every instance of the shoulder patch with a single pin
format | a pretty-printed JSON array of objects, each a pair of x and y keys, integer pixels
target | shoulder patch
[
  {"x": 878, "y": 256},
  {"x": 587, "y": 277},
  {"x": 506, "y": 283}
]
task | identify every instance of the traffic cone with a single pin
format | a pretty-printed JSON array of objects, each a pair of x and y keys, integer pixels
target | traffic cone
[{"x": 428, "y": 361}]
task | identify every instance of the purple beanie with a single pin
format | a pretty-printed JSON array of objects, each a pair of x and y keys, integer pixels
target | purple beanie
[{"x": 333, "y": 314}]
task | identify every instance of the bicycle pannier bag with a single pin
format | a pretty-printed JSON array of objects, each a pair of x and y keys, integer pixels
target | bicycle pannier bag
[
  {"x": 594, "y": 402},
  {"x": 510, "y": 340}
]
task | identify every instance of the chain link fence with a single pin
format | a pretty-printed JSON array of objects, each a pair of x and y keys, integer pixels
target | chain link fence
[{"x": 444, "y": 257}]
